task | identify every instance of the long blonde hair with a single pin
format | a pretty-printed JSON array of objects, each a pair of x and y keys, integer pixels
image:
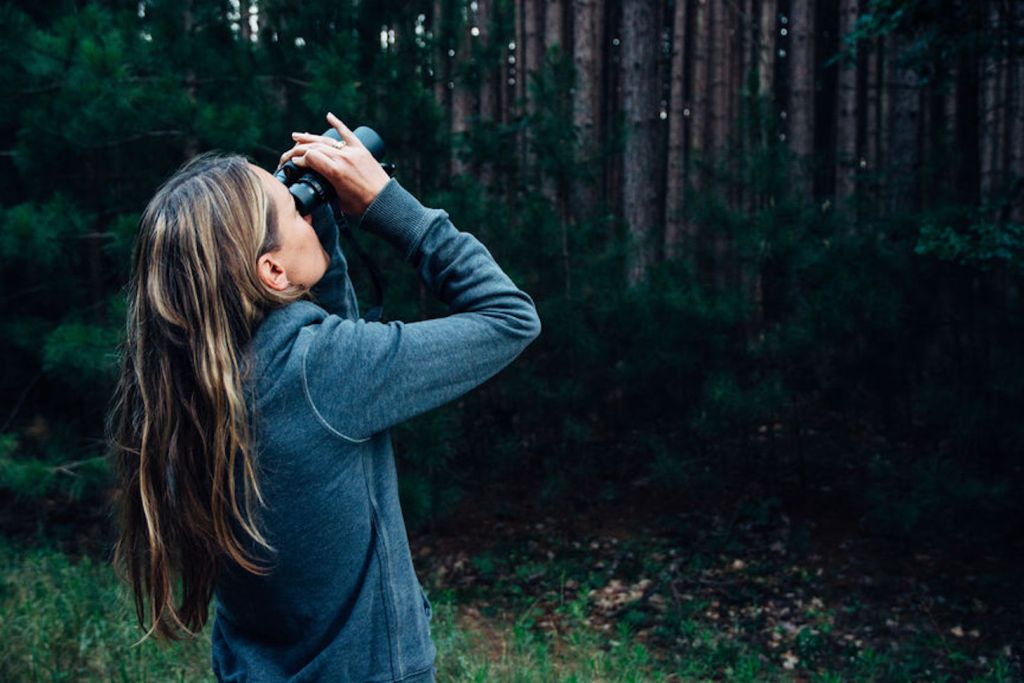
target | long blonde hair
[{"x": 178, "y": 421}]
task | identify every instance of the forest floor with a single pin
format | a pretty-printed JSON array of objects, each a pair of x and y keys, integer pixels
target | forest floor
[
  {"x": 743, "y": 592},
  {"x": 743, "y": 588}
]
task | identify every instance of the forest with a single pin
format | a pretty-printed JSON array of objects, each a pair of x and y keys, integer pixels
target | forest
[{"x": 777, "y": 247}]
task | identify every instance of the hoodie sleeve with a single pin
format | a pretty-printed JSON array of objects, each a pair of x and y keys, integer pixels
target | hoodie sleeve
[{"x": 362, "y": 377}]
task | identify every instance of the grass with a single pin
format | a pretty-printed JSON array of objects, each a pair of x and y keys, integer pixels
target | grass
[
  {"x": 73, "y": 621},
  {"x": 65, "y": 620}
]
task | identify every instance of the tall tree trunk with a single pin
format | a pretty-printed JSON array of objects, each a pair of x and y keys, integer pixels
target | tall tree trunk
[
  {"x": 641, "y": 105},
  {"x": 720, "y": 57},
  {"x": 244, "y": 30},
  {"x": 1006, "y": 95},
  {"x": 747, "y": 87},
  {"x": 800, "y": 109},
  {"x": 767, "y": 45},
  {"x": 676, "y": 172},
  {"x": 880, "y": 118},
  {"x": 612, "y": 112},
  {"x": 553, "y": 23},
  {"x": 1016, "y": 145},
  {"x": 949, "y": 110},
  {"x": 735, "y": 126},
  {"x": 554, "y": 19},
  {"x": 533, "y": 50},
  {"x": 766, "y": 61},
  {"x": 872, "y": 102},
  {"x": 933, "y": 140},
  {"x": 993, "y": 111},
  {"x": 442, "y": 67},
  {"x": 700, "y": 108},
  {"x": 518, "y": 74},
  {"x": 698, "y": 124},
  {"x": 490, "y": 81},
  {"x": 903, "y": 149},
  {"x": 534, "y": 54},
  {"x": 463, "y": 96},
  {"x": 749, "y": 262},
  {"x": 846, "y": 113},
  {"x": 969, "y": 122},
  {"x": 587, "y": 50},
  {"x": 719, "y": 65}
]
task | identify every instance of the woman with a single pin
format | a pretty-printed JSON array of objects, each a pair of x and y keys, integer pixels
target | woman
[{"x": 249, "y": 381}]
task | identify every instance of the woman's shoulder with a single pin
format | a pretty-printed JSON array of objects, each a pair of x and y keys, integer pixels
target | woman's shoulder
[
  {"x": 276, "y": 336},
  {"x": 295, "y": 314}
]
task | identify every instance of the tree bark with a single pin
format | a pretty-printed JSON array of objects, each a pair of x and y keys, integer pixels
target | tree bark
[
  {"x": 846, "y": 112},
  {"x": 442, "y": 67},
  {"x": 766, "y": 62},
  {"x": 463, "y": 97},
  {"x": 1016, "y": 145},
  {"x": 872, "y": 98},
  {"x": 676, "y": 174},
  {"x": 554, "y": 19},
  {"x": 587, "y": 49},
  {"x": 518, "y": 74},
  {"x": 1006, "y": 95},
  {"x": 490, "y": 81},
  {"x": 641, "y": 106},
  {"x": 534, "y": 54},
  {"x": 611, "y": 103},
  {"x": 904, "y": 125},
  {"x": 534, "y": 48},
  {"x": 699, "y": 109},
  {"x": 553, "y": 22},
  {"x": 800, "y": 109},
  {"x": 719, "y": 57}
]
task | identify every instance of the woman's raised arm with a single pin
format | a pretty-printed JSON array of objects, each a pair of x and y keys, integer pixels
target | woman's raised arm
[{"x": 362, "y": 377}]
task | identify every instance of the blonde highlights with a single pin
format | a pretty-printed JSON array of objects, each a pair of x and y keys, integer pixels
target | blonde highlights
[{"x": 178, "y": 424}]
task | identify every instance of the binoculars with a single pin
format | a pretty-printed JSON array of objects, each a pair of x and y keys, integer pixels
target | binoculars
[{"x": 309, "y": 188}]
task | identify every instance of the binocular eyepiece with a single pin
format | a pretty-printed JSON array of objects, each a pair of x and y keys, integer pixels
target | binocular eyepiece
[{"x": 309, "y": 188}]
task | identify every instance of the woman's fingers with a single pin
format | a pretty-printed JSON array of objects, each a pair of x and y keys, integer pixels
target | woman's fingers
[
  {"x": 308, "y": 137},
  {"x": 299, "y": 148},
  {"x": 304, "y": 140},
  {"x": 331, "y": 163},
  {"x": 303, "y": 147},
  {"x": 329, "y": 152},
  {"x": 353, "y": 172},
  {"x": 346, "y": 135},
  {"x": 343, "y": 131}
]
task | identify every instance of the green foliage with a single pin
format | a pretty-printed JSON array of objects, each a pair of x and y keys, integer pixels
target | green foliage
[
  {"x": 71, "y": 620},
  {"x": 974, "y": 243},
  {"x": 80, "y": 352},
  {"x": 41, "y": 467},
  {"x": 716, "y": 367},
  {"x": 43, "y": 234},
  {"x": 935, "y": 499},
  {"x": 939, "y": 32}
]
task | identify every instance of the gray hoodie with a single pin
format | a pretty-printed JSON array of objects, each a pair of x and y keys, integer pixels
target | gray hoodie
[{"x": 343, "y": 602}]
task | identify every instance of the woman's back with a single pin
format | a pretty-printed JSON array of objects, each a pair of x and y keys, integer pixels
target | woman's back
[{"x": 342, "y": 601}]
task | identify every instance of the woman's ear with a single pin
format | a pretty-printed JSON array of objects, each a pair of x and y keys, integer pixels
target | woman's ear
[{"x": 272, "y": 273}]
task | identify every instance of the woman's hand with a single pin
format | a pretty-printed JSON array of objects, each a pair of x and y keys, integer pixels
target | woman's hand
[{"x": 356, "y": 176}]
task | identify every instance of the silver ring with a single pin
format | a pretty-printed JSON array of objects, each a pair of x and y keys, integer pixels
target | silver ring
[{"x": 338, "y": 144}]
